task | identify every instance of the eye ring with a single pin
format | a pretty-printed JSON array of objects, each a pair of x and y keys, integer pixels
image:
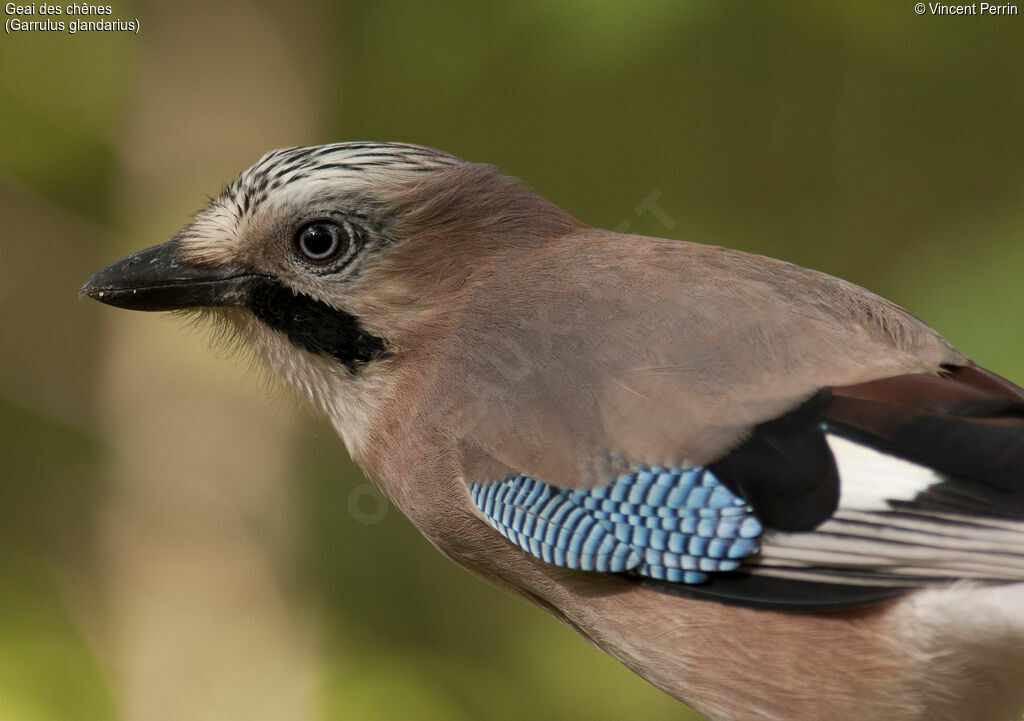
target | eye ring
[{"x": 321, "y": 240}]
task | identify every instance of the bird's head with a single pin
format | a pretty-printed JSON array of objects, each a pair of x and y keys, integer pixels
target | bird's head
[{"x": 337, "y": 263}]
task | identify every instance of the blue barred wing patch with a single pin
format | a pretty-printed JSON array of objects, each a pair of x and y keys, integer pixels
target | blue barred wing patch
[{"x": 674, "y": 525}]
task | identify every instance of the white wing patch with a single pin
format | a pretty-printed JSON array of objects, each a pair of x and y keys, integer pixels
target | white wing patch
[
  {"x": 869, "y": 541},
  {"x": 869, "y": 479}
]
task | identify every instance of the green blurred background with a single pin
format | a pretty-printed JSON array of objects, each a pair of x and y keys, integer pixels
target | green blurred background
[{"x": 180, "y": 540}]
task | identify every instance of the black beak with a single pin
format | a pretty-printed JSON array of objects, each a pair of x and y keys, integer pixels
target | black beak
[{"x": 155, "y": 279}]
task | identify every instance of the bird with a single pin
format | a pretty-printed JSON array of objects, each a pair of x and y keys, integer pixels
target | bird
[{"x": 771, "y": 493}]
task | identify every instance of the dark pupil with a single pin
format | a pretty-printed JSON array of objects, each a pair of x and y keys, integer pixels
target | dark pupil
[{"x": 318, "y": 241}]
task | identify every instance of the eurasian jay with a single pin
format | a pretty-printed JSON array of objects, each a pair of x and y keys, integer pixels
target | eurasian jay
[{"x": 768, "y": 491}]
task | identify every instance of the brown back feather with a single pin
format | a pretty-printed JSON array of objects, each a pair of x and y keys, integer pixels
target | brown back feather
[{"x": 537, "y": 345}]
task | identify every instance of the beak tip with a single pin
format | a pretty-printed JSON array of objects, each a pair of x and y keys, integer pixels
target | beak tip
[
  {"x": 95, "y": 288},
  {"x": 88, "y": 289}
]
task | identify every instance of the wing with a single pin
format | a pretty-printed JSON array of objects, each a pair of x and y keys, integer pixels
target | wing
[
  {"x": 871, "y": 453},
  {"x": 931, "y": 481},
  {"x": 929, "y": 488}
]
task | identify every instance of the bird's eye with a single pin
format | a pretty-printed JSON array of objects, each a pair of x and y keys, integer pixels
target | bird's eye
[{"x": 321, "y": 240}]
